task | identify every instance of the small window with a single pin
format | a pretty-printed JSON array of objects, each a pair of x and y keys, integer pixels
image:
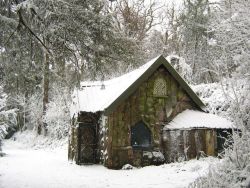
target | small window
[
  {"x": 140, "y": 136},
  {"x": 160, "y": 87}
]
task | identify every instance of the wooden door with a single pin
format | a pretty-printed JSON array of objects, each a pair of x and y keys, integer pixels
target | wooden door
[
  {"x": 210, "y": 142},
  {"x": 87, "y": 144}
]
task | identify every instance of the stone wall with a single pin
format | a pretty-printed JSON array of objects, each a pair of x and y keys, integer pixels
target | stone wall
[
  {"x": 144, "y": 105},
  {"x": 73, "y": 141}
]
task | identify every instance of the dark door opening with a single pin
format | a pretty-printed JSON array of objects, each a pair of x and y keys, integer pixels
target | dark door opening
[
  {"x": 140, "y": 136},
  {"x": 87, "y": 144}
]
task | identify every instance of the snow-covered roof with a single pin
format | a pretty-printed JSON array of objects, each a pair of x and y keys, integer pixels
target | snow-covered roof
[
  {"x": 92, "y": 98},
  {"x": 97, "y": 96},
  {"x": 196, "y": 119}
]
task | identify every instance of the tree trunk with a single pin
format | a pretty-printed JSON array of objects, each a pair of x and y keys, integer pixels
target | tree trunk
[
  {"x": 42, "y": 127},
  {"x": 46, "y": 82}
]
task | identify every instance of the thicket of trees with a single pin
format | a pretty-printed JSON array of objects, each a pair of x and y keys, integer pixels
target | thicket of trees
[
  {"x": 56, "y": 44},
  {"x": 231, "y": 63},
  {"x": 48, "y": 47}
]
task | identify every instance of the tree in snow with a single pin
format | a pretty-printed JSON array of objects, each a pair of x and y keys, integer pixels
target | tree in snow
[
  {"x": 172, "y": 35},
  {"x": 195, "y": 34},
  {"x": 231, "y": 35},
  {"x": 232, "y": 62},
  {"x": 181, "y": 66},
  {"x": 135, "y": 18},
  {"x": 57, "y": 115},
  {"x": 7, "y": 116},
  {"x": 166, "y": 41},
  {"x": 69, "y": 41},
  {"x": 187, "y": 34}
]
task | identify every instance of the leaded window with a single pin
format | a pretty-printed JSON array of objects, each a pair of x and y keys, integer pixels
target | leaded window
[{"x": 160, "y": 87}]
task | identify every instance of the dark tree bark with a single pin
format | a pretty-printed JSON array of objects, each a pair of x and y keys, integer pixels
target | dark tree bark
[{"x": 42, "y": 126}]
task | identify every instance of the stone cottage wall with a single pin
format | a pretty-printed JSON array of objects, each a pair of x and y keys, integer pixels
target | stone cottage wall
[
  {"x": 144, "y": 105},
  {"x": 73, "y": 141}
]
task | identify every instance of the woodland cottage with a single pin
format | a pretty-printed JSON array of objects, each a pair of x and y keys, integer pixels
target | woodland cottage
[{"x": 148, "y": 116}]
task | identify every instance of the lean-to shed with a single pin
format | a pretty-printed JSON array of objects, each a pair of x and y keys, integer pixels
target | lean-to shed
[
  {"x": 127, "y": 119},
  {"x": 193, "y": 133}
]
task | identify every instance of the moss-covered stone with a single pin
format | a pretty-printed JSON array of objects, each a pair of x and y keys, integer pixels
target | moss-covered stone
[{"x": 144, "y": 106}]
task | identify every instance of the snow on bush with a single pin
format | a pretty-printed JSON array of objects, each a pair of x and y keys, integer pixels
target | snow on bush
[
  {"x": 234, "y": 170},
  {"x": 29, "y": 110},
  {"x": 231, "y": 99},
  {"x": 223, "y": 98},
  {"x": 33, "y": 110},
  {"x": 30, "y": 139},
  {"x": 7, "y": 116},
  {"x": 57, "y": 114}
]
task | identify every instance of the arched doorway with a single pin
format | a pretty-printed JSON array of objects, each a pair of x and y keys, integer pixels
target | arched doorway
[{"x": 140, "y": 136}]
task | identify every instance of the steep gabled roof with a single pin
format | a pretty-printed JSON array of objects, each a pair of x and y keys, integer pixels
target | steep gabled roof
[{"x": 92, "y": 98}]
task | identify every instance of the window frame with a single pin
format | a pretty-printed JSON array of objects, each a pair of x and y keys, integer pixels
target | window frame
[{"x": 156, "y": 94}]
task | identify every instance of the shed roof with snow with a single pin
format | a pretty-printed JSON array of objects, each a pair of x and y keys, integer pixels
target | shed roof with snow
[
  {"x": 93, "y": 97},
  {"x": 189, "y": 119}
]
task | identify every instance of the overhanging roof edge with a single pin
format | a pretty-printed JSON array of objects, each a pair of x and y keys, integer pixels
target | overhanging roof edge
[{"x": 160, "y": 61}]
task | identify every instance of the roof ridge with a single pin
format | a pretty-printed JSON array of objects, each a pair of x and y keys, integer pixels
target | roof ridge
[{"x": 119, "y": 88}]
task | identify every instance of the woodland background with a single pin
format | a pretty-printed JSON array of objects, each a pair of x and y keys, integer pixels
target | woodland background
[{"x": 48, "y": 47}]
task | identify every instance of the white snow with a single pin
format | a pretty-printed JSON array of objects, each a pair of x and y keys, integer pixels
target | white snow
[
  {"x": 95, "y": 96},
  {"x": 92, "y": 98},
  {"x": 181, "y": 66},
  {"x": 196, "y": 119},
  {"x": 47, "y": 168}
]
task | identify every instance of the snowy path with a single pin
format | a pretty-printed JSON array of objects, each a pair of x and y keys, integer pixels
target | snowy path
[{"x": 31, "y": 168}]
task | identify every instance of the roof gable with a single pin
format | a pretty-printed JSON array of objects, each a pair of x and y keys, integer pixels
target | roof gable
[
  {"x": 91, "y": 98},
  {"x": 158, "y": 62}
]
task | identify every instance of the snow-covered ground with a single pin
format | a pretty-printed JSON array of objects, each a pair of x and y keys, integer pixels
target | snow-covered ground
[{"x": 49, "y": 168}]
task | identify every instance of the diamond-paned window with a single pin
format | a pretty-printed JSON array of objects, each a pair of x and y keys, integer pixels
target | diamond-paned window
[{"x": 160, "y": 87}]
